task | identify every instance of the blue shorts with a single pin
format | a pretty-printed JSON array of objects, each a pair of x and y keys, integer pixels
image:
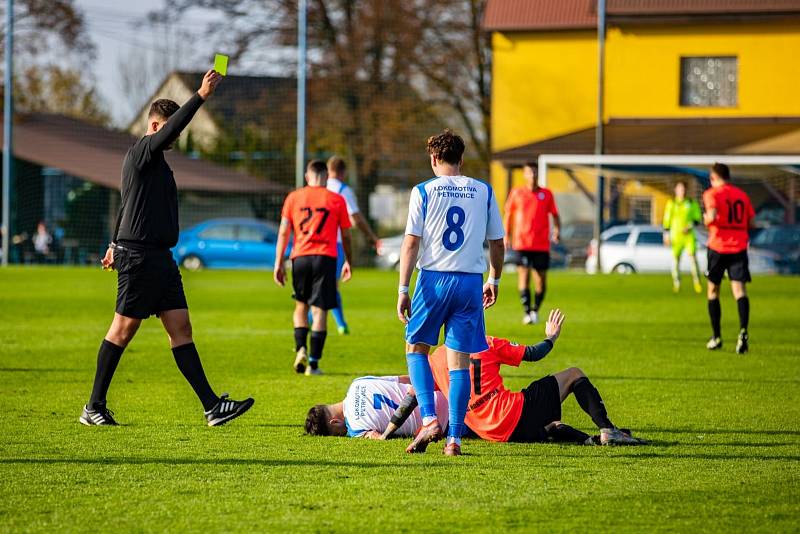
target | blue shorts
[
  {"x": 339, "y": 260},
  {"x": 452, "y": 300}
]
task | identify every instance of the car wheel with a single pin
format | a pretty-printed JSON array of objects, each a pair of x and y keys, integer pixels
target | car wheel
[
  {"x": 192, "y": 263},
  {"x": 623, "y": 268}
]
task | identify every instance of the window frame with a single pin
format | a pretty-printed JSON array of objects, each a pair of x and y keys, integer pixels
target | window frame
[{"x": 686, "y": 103}]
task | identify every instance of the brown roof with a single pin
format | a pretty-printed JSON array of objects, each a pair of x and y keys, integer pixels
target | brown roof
[
  {"x": 659, "y": 136},
  {"x": 529, "y": 15},
  {"x": 95, "y": 154}
]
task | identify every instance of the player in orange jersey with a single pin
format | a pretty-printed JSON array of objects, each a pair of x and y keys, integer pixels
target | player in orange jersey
[
  {"x": 533, "y": 414},
  {"x": 527, "y": 223},
  {"x": 315, "y": 216},
  {"x": 729, "y": 216}
]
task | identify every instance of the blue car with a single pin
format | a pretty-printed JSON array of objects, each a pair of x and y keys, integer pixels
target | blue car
[{"x": 227, "y": 244}]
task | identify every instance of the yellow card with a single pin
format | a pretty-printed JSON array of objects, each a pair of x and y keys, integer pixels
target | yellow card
[{"x": 221, "y": 64}]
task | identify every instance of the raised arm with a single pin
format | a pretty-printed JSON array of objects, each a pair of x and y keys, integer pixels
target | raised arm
[
  {"x": 171, "y": 129},
  {"x": 534, "y": 353}
]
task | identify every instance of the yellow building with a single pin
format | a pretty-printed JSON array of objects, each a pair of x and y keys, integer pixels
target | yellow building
[{"x": 700, "y": 77}]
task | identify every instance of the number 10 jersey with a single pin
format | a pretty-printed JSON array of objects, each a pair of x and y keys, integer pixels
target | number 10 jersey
[{"x": 454, "y": 216}]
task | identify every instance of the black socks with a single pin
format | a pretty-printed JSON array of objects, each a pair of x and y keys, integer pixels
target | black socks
[
  {"x": 590, "y": 402},
  {"x": 189, "y": 363},
  {"x": 744, "y": 312},
  {"x": 107, "y": 360},
  {"x": 537, "y": 300},
  {"x": 525, "y": 299},
  {"x": 300, "y": 335},
  {"x": 317, "y": 344},
  {"x": 715, "y": 314}
]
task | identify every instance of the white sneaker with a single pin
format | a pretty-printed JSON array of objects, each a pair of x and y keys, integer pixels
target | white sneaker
[
  {"x": 534, "y": 317},
  {"x": 300, "y": 361},
  {"x": 526, "y": 319},
  {"x": 614, "y": 436},
  {"x": 313, "y": 372}
]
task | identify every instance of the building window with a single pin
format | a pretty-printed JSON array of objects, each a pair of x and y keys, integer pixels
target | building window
[{"x": 709, "y": 81}]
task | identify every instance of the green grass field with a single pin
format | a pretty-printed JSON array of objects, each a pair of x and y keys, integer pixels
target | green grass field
[{"x": 725, "y": 429}]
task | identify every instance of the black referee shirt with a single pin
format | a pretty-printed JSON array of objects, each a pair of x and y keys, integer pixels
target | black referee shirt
[{"x": 148, "y": 216}]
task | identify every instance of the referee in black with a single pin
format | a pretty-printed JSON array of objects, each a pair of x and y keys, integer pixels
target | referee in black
[{"x": 148, "y": 279}]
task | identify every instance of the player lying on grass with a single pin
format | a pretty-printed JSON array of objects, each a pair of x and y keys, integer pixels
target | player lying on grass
[
  {"x": 495, "y": 414},
  {"x": 369, "y": 407}
]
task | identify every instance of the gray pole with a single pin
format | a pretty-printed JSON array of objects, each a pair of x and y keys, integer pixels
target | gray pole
[
  {"x": 8, "y": 114},
  {"x": 598, "y": 132},
  {"x": 300, "y": 156}
]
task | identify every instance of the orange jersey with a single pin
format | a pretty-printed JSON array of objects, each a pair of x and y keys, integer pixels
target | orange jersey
[
  {"x": 315, "y": 215},
  {"x": 493, "y": 411},
  {"x": 727, "y": 234},
  {"x": 528, "y": 213}
]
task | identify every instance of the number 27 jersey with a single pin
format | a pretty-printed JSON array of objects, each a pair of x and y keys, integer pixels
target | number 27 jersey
[
  {"x": 453, "y": 215},
  {"x": 315, "y": 215}
]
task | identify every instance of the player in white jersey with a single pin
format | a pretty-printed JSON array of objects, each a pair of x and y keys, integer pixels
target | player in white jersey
[
  {"x": 450, "y": 217},
  {"x": 336, "y": 173},
  {"x": 368, "y": 408}
]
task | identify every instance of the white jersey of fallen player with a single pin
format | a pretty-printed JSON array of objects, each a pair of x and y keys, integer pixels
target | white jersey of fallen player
[
  {"x": 454, "y": 216},
  {"x": 372, "y": 400},
  {"x": 341, "y": 188}
]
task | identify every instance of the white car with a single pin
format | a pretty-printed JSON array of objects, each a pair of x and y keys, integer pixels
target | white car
[{"x": 640, "y": 248}]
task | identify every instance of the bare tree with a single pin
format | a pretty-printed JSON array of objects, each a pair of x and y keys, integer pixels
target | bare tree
[{"x": 43, "y": 25}]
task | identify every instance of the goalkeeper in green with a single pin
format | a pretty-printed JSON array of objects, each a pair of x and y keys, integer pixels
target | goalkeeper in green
[{"x": 681, "y": 214}]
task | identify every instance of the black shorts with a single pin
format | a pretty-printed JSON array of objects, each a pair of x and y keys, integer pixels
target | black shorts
[
  {"x": 314, "y": 281},
  {"x": 148, "y": 282},
  {"x": 737, "y": 265},
  {"x": 542, "y": 406},
  {"x": 538, "y": 260}
]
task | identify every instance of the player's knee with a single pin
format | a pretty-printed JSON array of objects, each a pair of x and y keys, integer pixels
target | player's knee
[{"x": 576, "y": 373}]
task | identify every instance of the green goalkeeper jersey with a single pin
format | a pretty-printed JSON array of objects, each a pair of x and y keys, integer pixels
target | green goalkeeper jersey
[{"x": 679, "y": 215}]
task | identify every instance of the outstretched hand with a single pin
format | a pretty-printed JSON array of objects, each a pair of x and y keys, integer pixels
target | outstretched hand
[
  {"x": 552, "y": 329},
  {"x": 210, "y": 81}
]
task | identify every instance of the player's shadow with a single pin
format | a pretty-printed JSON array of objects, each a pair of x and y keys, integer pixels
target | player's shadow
[
  {"x": 627, "y": 454},
  {"x": 720, "y": 431},
  {"x": 260, "y": 462}
]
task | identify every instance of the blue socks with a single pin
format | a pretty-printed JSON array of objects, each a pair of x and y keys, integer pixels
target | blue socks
[
  {"x": 459, "y": 398},
  {"x": 422, "y": 379},
  {"x": 338, "y": 313}
]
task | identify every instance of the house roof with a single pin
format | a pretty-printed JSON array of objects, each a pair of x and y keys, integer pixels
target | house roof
[
  {"x": 532, "y": 15},
  {"x": 238, "y": 96},
  {"x": 663, "y": 136},
  {"x": 95, "y": 153}
]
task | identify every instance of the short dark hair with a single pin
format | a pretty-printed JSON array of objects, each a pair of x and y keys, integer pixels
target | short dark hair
[
  {"x": 446, "y": 146},
  {"x": 317, "y": 421},
  {"x": 317, "y": 167},
  {"x": 721, "y": 170},
  {"x": 163, "y": 108},
  {"x": 533, "y": 165},
  {"x": 337, "y": 165}
]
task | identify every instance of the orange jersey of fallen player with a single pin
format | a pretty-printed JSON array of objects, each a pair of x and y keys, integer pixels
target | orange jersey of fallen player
[
  {"x": 315, "y": 215},
  {"x": 493, "y": 411},
  {"x": 727, "y": 233},
  {"x": 527, "y": 212}
]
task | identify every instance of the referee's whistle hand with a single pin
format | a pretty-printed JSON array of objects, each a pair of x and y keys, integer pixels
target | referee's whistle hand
[
  {"x": 403, "y": 307},
  {"x": 108, "y": 260}
]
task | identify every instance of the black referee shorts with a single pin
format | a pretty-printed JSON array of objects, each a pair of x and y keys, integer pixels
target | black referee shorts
[
  {"x": 314, "y": 281},
  {"x": 541, "y": 407},
  {"x": 148, "y": 282},
  {"x": 736, "y": 264}
]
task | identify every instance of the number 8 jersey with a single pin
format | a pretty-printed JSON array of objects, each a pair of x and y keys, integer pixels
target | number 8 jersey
[{"x": 453, "y": 215}]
